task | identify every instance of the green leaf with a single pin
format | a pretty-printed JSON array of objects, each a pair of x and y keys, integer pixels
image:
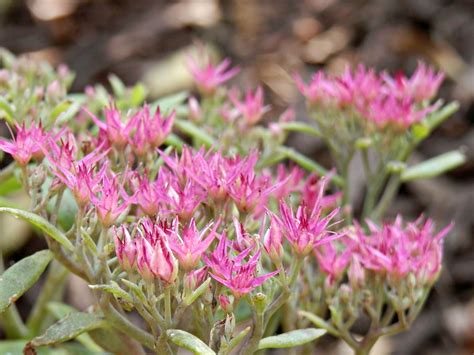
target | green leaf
[
  {"x": 6, "y": 111},
  {"x": 197, "y": 293},
  {"x": 434, "y": 166},
  {"x": 194, "y": 131},
  {"x": 189, "y": 342},
  {"x": 308, "y": 163},
  {"x": 169, "y": 102},
  {"x": 113, "y": 289},
  {"x": 42, "y": 224},
  {"x": 60, "y": 310},
  {"x": 118, "y": 87},
  {"x": 69, "y": 327},
  {"x": 66, "y": 112},
  {"x": 291, "y": 339},
  {"x": 237, "y": 339},
  {"x": 9, "y": 185},
  {"x": 18, "y": 278},
  {"x": 138, "y": 94}
]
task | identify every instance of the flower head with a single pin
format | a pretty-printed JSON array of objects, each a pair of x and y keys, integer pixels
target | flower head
[
  {"x": 252, "y": 108},
  {"x": 307, "y": 228},
  {"x": 191, "y": 243},
  {"x": 125, "y": 248},
  {"x": 154, "y": 256},
  {"x": 398, "y": 250},
  {"x": 26, "y": 144},
  {"x": 208, "y": 76}
]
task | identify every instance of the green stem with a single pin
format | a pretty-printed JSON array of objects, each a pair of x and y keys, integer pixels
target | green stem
[
  {"x": 257, "y": 333},
  {"x": 308, "y": 164},
  {"x": 120, "y": 322},
  {"x": 300, "y": 127},
  {"x": 387, "y": 197},
  {"x": 54, "y": 282}
]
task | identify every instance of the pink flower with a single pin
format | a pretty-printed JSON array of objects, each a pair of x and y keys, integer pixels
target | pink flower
[
  {"x": 287, "y": 180},
  {"x": 154, "y": 256},
  {"x": 149, "y": 194},
  {"x": 116, "y": 131},
  {"x": 190, "y": 244},
  {"x": 252, "y": 108},
  {"x": 423, "y": 84},
  {"x": 111, "y": 199},
  {"x": 333, "y": 259},
  {"x": 232, "y": 271},
  {"x": 307, "y": 228},
  {"x": 125, "y": 248},
  {"x": 398, "y": 250},
  {"x": 77, "y": 174},
  {"x": 389, "y": 110},
  {"x": 195, "y": 278},
  {"x": 157, "y": 127},
  {"x": 310, "y": 192},
  {"x": 242, "y": 277},
  {"x": 208, "y": 77},
  {"x": 273, "y": 243},
  {"x": 27, "y": 143}
]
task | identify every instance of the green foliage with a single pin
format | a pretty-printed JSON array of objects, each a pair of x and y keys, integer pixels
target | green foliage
[{"x": 17, "y": 279}]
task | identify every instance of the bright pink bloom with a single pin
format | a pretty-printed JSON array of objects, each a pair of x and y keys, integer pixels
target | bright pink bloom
[
  {"x": 242, "y": 278},
  {"x": 183, "y": 200},
  {"x": 125, "y": 248},
  {"x": 116, "y": 131},
  {"x": 422, "y": 85},
  {"x": 333, "y": 259},
  {"x": 190, "y": 243},
  {"x": 195, "y": 278},
  {"x": 273, "y": 243},
  {"x": 307, "y": 228},
  {"x": 287, "y": 180},
  {"x": 111, "y": 199},
  {"x": 208, "y": 77},
  {"x": 27, "y": 143},
  {"x": 252, "y": 108},
  {"x": 149, "y": 194},
  {"x": 398, "y": 250},
  {"x": 310, "y": 192},
  {"x": 391, "y": 111},
  {"x": 157, "y": 127},
  {"x": 77, "y": 174},
  {"x": 154, "y": 257}
]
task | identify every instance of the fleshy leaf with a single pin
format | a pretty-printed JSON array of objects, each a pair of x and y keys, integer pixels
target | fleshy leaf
[
  {"x": 189, "y": 342},
  {"x": 169, "y": 102},
  {"x": 291, "y": 339},
  {"x": 6, "y": 111},
  {"x": 434, "y": 166},
  {"x": 69, "y": 327},
  {"x": 60, "y": 310},
  {"x": 19, "y": 277},
  {"x": 42, "y": 224}
]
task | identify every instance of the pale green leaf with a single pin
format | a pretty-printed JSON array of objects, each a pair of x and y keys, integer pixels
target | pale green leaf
[
  {"x": 189, "y": 342},
  {"x": 69, "y": 327},
  {"x": 40, "y": 223},
  {"x": 19, "y": 277},
  {"x": 434, "y": 166},
  {"x": 291, "y": 339}
]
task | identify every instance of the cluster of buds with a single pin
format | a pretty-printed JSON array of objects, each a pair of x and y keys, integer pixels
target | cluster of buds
[{"x": 193, "y": 238}]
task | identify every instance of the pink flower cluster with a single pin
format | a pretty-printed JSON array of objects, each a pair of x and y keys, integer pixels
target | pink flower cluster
[
  {"x": 143, "y": 132},
  {"x": 393, "y": 250},
  {"x": 380, "y": 98}
]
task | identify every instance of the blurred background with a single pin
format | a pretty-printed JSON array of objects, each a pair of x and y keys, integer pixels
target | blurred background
[{"x": 146, "y": 40}]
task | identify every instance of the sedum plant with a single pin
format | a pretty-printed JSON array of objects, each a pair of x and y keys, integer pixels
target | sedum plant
[{"x": 194, "y": 225}]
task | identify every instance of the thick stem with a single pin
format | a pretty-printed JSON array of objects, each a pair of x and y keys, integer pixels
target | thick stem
[
  {"x": 120, "y": 322},
  {"x": 54, "y": 282},
  {"x": 387, "y": 197},
  {"x": 257, "y": 333}
]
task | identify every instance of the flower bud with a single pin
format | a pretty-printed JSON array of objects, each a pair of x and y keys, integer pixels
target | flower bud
[
  {"x": 226, "y": 303},
  {"x": 195, "y": 112}
]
